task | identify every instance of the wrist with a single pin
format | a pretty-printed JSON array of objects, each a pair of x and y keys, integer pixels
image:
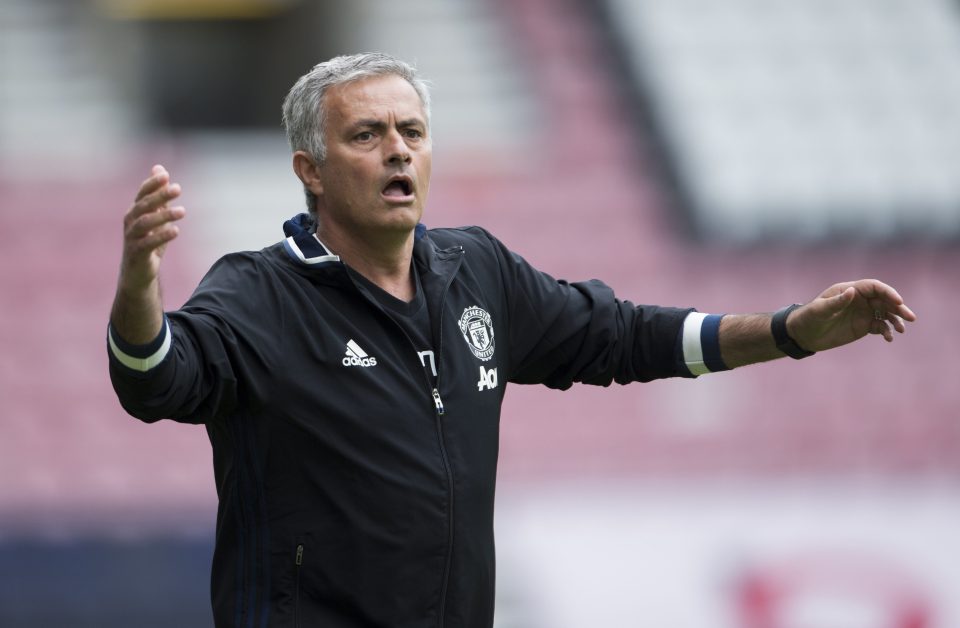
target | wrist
[
  {"x": 137, "y": 312},
  {"x": 135, "y": 286},
  {"x": 782, "y": 338}
]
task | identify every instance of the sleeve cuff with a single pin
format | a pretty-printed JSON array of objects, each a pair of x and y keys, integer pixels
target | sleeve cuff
[
  {"x": 700, "y": 344},
  {"x": 140, "y": 358}
]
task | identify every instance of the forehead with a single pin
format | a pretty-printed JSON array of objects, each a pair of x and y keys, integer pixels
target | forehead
[{"x": 374, "y": 97}]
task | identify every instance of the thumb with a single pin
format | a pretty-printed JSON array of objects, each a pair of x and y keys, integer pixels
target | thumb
[{"x": 838, "y": 303}]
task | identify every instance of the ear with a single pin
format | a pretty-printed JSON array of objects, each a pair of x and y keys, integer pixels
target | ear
[{"x": 308, "y": 171}]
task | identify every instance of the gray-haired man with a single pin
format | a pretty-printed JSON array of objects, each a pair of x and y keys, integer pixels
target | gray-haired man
[{"x": 350, "y": 377}]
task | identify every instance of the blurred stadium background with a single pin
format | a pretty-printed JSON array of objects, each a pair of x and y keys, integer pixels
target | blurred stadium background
[{"x": 731, "y": 156}]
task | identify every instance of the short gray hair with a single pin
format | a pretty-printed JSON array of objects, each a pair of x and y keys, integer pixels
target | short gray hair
[{"x": 304, "y": 112}]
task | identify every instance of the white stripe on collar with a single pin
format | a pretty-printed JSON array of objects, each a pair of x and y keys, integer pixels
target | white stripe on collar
[{"x": 319, "y": 259}]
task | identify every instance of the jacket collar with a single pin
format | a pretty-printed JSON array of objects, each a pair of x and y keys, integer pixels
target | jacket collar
[
  {"x": 303, "y": 245},
  {"x": 308, "y": 249},
  {"x": 436, "y": 267},
  {"x": 305, "y": 248}
]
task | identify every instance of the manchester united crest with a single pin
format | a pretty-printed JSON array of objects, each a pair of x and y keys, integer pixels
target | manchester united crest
[{"x": 477, "y": 330}]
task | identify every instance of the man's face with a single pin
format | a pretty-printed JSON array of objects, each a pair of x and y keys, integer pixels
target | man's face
[{"x": 376, "y": 175}]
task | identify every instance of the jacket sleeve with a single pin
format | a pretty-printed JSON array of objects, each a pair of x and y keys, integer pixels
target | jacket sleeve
[
  {"x": 217, "y": 350},
  {"x": 562, "y": 333}
]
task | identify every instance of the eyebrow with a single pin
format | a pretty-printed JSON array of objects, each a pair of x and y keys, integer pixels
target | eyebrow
[{"x": 373, "y": 123}]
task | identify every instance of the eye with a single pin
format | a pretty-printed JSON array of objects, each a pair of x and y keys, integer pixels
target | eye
[
  {"x": 364, "y": 136},
  {"x": 414, "y": 134}
]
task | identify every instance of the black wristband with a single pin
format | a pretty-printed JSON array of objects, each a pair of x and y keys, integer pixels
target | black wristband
[{"x": 786, "y": 344}]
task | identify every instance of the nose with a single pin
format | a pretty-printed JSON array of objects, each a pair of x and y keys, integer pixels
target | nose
[{"x": 395, "y": 148}]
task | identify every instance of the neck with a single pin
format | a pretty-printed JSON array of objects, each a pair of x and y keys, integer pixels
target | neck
[{"x": 384, "y": 261}]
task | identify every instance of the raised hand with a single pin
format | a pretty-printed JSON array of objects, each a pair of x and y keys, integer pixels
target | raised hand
[{"x": 148, "y": 227}]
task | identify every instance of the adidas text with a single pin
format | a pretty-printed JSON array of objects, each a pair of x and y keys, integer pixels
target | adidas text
[{"x": 352, "y": 360}]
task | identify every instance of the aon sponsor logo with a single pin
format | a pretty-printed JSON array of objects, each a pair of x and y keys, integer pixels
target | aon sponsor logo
[{"x": 488, "y": 379}]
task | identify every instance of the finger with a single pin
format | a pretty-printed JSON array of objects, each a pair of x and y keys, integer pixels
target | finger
[
  {"x": 153, "y": 201},
  {"x": 155, "y": 239},
  {"x": 885, "y": 308},
  {"x": 905, "y": 312},
  {"x": 875, "y": 289},
  {"x": 158, "y": 176},
  {"x": 897, "y": 323},
  {"x": 881, "y": 328},
  {"x": 892, "y": 319},
  {"x": 838, "y": 302},
  {"x": 893, "y": 302},
  {"x": 148, "y": 222},
  {"x": 834, "y": 304}
]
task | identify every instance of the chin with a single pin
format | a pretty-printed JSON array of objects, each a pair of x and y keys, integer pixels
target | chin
[{"x": 404, "y": 218}]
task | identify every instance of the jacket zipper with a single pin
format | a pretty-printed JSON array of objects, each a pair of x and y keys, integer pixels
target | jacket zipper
[
  {"x": 439, "y": 412},
  {"x": 438, "y": 404},
  {"x": 450, "y": 513},
  {"x": 296, "y": 591}
]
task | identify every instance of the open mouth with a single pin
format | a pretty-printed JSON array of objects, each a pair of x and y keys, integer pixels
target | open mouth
[{"x": 398, "y": 187}]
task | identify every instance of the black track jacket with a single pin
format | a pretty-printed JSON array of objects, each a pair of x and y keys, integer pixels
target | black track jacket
[{"x": 352, "y": 492}]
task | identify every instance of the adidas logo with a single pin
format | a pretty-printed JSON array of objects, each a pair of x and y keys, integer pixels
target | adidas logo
[{"x": 356, "y": 356}]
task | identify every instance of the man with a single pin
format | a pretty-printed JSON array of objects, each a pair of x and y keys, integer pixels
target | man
[{"x": 350, "y": 377}]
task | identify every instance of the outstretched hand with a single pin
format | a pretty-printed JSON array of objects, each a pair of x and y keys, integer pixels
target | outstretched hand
[{"x": 848, "y": 311}]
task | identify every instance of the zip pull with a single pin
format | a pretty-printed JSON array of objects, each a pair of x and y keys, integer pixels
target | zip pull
[
  {"x": 299, "y": 555},
  {"x": 437, "y": 401}
]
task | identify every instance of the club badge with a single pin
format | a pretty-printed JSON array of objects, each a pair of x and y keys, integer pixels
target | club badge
[{"x": 477, "y": 330}]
